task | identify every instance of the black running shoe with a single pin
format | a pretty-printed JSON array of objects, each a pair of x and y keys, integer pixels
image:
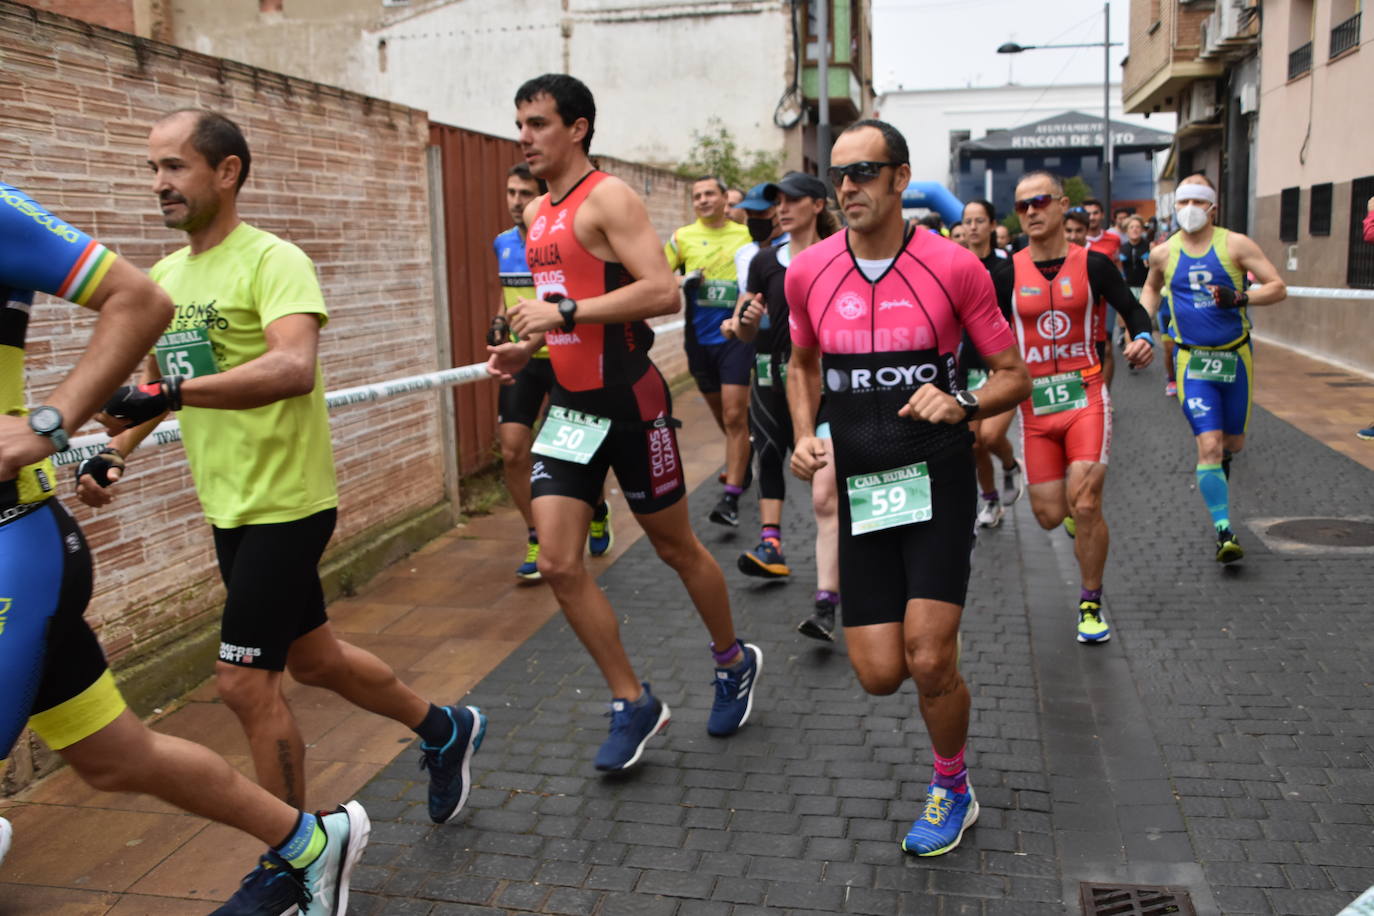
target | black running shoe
[
  {"x": 726, "y": 511},
  {"x": 821, "y": 624}
]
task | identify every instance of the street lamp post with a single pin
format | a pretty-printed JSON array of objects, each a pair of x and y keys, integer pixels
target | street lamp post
[{"x": 1106, "y": 44}]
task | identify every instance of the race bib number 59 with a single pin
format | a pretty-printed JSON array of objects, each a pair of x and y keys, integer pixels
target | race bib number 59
[{"x": 889, "y": 499}]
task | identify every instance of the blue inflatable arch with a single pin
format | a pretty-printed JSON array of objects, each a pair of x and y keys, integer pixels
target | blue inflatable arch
[{"x": 932, "y": 195}]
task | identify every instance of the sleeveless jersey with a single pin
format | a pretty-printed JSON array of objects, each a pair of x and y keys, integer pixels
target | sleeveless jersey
[
  {"x": 1197, "y": 321},
  {"x": 516, "y": 281},
  {"x": 589, "y": 356},
  {"x": 712, "y": 251},
  {"x": 880, "y": 340},
  {"x": 1054, "y": 320},
  {"x": 39, "y": 252}
]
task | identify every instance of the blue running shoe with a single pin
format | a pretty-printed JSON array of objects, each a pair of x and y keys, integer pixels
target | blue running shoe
[
  {"x": 274, "y": 887},
  {"x": 765, "y": 561},
  {"x": 448, "y": 765},
  {"x": 326, "y": 879},
  {"x": 600, "y": 538},
  {"x": 735, "y": 693},
  {"x": 941, "y": 826},
  {"x": 1366, "y": 433},
  {"x": 631, "y": 729},
  {"x": 529, "y": 570}
]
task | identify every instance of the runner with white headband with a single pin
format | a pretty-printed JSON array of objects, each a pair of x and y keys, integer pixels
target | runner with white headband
[{"x": 1200, "y": 275}]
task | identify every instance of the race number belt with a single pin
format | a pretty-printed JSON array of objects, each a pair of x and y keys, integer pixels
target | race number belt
[
  {"x": 1212, "y": 365},
  {"x": 186, "y": 353},
  {"x": 571, "y": 435},
  {"x": 1055, "y": 393},
  {"x": 888, "y": 499}
]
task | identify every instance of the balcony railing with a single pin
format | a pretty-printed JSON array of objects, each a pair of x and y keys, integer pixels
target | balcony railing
[
  {"x": 1300, "y": 61},
  {"x": 1346, "y": 35}
]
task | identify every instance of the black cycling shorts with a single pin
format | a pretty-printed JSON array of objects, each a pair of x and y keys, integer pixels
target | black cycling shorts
[
  {"x": 641, "y": 447},
  {"x": 271, "y": 573},
  {"x": 729, "y": 363},
  {"x": 770, "y": 432},
  {"x": 882, "y": 570},
  {"x": 52, "y": 671},
  {"x": 520, "y": 403}
]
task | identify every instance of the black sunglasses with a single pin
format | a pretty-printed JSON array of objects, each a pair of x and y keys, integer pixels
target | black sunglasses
[
  {"x": 1039, "y": 202},
  {"x": 858, "y": 172}
]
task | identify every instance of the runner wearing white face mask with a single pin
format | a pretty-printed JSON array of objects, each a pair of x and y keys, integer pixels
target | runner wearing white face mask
[{"x": 1200, "y": 275}]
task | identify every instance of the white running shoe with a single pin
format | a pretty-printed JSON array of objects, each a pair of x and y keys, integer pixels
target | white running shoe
[
  {"x": 1012, "y": 486},
  {"x": 989, "y": 513},
  {"x": 6, "y": 837}
]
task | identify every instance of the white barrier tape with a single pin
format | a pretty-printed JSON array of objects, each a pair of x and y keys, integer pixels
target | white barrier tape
[
  {"x": 1320, "y": 292},
  {"x": 82, "y": 447}
]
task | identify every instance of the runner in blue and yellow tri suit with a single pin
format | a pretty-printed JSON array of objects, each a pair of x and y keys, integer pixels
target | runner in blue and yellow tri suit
[
  {"x": 1200, "y": 274},
  {"x": 54, "y": 676},
  {"x": 721, "y": 367}
]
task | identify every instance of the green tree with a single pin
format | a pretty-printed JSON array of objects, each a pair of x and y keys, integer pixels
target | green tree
[
  {"x": 1077, "y": 190},
  {"x": 715, "y": 151}
]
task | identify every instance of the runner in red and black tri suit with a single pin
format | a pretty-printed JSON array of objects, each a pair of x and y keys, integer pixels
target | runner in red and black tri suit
[{"x": 599, "y": 273}]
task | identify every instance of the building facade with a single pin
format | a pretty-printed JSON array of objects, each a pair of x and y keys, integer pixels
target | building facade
[
  {"x": 936, "y": 121},
  {"x": 1270, "y": 104},
  {"x": 662, "y": 70}
]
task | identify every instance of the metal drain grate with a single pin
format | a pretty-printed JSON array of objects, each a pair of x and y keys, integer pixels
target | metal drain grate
[
  {"x": 1325, "y": 532},
  {"x": 1134, "y": 900}
]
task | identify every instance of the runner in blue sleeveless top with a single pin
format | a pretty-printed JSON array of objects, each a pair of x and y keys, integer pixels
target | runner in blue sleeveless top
[{"x": 1200, "y": 274}]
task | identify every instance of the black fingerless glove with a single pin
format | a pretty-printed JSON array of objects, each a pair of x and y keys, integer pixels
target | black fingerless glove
[
  {"x": 100, "y": 464},
  {"x": 137, "y": 404},
  {"x": 1228, "y": 298}
]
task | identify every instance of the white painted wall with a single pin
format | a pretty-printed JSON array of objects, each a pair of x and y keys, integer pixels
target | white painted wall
[
  {"x": 659, "y": 69},
  {"x": 925, "y": 117}
]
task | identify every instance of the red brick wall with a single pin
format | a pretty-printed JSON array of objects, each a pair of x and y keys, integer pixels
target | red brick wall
[
  {"x": 341, "y": 175},
  {"x": 112, "y": 14}
]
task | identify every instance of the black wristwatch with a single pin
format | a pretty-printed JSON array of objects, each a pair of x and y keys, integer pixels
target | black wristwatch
[
  {"x": 46, "y": 421},
  {"x": 969, "y": 401},
  {"x": 568, "y": 309}
]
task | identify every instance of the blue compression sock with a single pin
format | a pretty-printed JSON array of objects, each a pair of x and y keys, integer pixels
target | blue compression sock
[{"x": 1216, "y": 492}]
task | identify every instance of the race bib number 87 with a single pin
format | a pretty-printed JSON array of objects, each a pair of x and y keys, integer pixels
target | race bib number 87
[
  {"x": 571, "y": 435},
  {"x": 889, "y": 499}
]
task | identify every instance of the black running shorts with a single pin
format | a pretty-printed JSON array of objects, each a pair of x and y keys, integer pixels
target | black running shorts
[
  {"x": 641, "y": 447},
  {"x": 883, "y": 570},
  {"x": 272, "y": 576},
  {"x": 520, "y": 403}
]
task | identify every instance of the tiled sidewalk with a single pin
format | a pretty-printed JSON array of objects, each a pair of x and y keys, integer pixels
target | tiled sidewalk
[{"x": 801, "y": 811}]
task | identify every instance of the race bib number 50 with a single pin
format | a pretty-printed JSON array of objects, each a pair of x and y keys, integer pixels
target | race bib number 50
[
  {"x": 185, "y": 353},
  {"x": 888, "y": 499},
  {"x": 571, "y": 435}
]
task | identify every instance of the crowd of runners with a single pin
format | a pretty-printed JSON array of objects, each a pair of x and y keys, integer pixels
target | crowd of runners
[{"x": 879, "y": 360}]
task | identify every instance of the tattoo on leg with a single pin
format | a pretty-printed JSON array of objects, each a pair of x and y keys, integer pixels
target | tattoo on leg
[
  {"x": 945, "y": 689},
  {"x": 288, "y": 772}
]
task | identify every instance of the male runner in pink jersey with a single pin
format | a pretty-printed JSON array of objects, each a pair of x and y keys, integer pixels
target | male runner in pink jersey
[{"x": 881, "y": 308}]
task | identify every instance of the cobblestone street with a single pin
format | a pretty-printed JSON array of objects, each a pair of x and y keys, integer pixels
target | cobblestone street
[{"x": 1218, "y": 744}]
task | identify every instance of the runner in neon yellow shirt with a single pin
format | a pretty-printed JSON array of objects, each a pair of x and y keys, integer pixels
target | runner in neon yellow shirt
[{"x": 239, "y": 361}]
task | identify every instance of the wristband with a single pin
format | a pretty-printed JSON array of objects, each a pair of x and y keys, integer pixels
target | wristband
[
  {"x": 1145, "y": 335},
  {"x": 171, "y": 388}
]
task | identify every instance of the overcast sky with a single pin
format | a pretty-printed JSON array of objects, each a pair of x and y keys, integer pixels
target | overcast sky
[{"x": 943, "y": 44}]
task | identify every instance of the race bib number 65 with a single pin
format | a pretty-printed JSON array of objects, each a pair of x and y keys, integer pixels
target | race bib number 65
[{"x": 185, "y": 353}]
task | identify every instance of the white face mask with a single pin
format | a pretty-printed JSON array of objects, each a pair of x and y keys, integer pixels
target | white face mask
[{"x": 1192, "y": 218}]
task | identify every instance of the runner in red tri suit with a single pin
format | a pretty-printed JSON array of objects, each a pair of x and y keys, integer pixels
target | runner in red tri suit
[
  {"x": 599, "y": 273},
  {"x": 1066, "y": 425}
]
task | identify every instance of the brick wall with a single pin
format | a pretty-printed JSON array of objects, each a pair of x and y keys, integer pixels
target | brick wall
[
  {"x": 341, "y": 175},
  {"x": 112, "y": 14}
]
